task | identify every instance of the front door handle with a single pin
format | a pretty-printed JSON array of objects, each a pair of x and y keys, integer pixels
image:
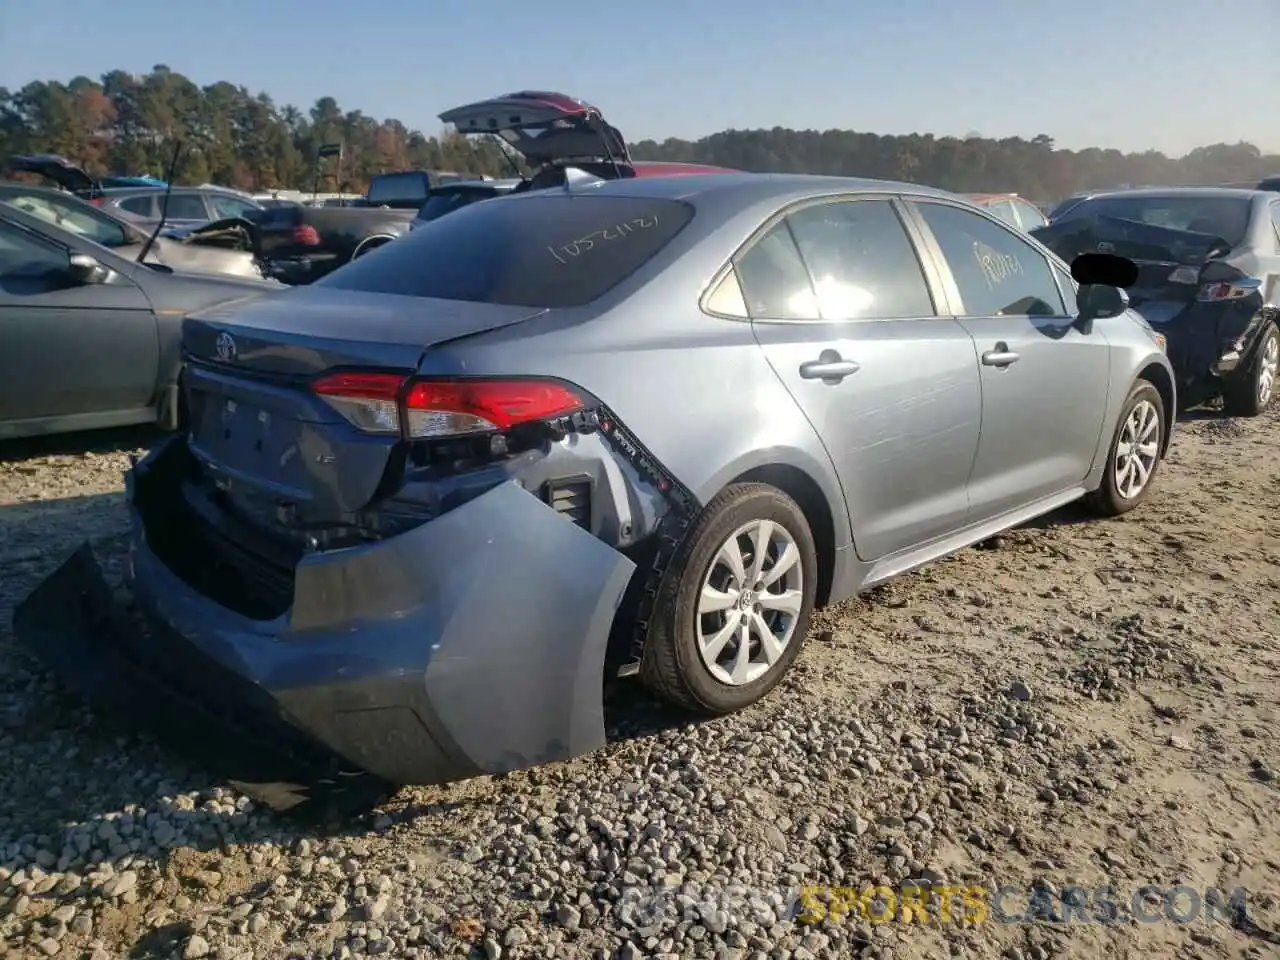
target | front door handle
[
  {"x": 830, "y": 368},
  {"x": 1001, "y": 356}
]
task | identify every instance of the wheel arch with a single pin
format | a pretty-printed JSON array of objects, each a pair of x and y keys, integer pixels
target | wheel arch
[
  {"x": 1158, "y": 376},
  {"x": 808, "y": 495},
  {"x": 372, "y": 243}
]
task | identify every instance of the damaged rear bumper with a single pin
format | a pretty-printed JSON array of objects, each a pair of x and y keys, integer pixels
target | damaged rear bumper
[{"x": 473, "y": 644}]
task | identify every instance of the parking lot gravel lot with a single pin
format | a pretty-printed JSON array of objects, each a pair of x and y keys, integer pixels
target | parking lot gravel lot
[{"x": 1076, "y": 703}]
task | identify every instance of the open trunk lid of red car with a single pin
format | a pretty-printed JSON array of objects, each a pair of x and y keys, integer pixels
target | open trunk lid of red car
[{"x": 544, "y": 126}]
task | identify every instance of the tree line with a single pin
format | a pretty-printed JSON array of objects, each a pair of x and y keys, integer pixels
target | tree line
[{"x": 128, "y": 124}]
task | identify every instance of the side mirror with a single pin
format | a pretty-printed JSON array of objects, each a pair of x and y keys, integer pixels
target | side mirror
[
  {"x": 1097, "y": 301},
  {"x": 87, "y": 271},
  {"x": 1102, "y": 278}
]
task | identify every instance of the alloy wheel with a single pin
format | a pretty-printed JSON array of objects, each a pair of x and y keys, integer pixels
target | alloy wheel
[
  {"x": 750, "y": 599},
  {"x": 1137, "y": 449},
  {"x": 1268, "y": 369}
]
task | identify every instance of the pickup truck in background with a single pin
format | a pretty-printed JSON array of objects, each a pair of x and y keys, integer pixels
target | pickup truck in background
[{"x": 299, "y": 244}]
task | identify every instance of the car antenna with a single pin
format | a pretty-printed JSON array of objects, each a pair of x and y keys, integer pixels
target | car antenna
[{"x": 164, "y": 204}]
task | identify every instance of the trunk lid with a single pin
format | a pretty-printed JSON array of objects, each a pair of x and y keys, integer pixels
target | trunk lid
[
  {"x": 545, "y": 127},
  {"x": 58, "y": 169},
  {"x": 1157, "y": 251},
  {"x": 282, "y": 457},
  {"x": 304, "y": 331}
]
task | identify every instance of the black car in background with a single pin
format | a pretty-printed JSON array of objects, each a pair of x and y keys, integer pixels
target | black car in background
[
  {"x": 448, "y": 197},
  {"x": 1208, "y": 279}
]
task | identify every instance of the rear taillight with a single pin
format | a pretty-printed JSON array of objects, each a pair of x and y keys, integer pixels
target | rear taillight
[
  {"x": 1236, "y": 289},
  {"x": 389, "y": 403},
  {"x": 370, "y": 401},
  {"x": 96, "y": 201},
  {"x": 305, "y": 235}
]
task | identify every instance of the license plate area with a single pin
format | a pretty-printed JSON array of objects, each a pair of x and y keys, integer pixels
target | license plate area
[{"x": 251, "y": 432}]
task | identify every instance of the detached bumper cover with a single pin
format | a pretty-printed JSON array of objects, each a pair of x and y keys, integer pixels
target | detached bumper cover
[{"x": 474, "y": 644}]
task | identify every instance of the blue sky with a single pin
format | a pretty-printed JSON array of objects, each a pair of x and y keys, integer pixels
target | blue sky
[{"x": 1130, "y": 74}]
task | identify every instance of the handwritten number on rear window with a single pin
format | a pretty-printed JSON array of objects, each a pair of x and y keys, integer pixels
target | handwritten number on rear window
[
  {"x": 569, "y": 252},
  {"x": 996, "y": 267}
]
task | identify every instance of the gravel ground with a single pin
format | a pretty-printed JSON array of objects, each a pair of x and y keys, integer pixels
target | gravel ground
[{"x": 1077, "y": 702}]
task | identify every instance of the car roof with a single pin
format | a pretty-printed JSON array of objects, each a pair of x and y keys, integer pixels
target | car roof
[
  {"x": 13, "y": 186},
  {"x": 1190, "y": 192},
  {"x": 660, "y": 168},
  {"x": 745, "y": 187},
  {"x": 142, "y": 190}
]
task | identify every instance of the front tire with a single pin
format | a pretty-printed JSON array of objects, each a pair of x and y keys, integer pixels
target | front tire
[
  {"x": 733, "y": 608},
  {"x": 1133, "y": 458},
  {"x": 1249, "y": 395}
]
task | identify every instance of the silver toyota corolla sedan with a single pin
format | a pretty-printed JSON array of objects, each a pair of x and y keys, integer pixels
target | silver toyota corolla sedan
[{"x": 429, "y": 503}]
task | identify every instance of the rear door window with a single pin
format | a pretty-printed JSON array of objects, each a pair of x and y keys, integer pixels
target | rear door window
[
  {"x": 143, "y": 206},
  {"x": 225, "y": 206},
  {"x": 539, "y": 251},
  {"x": 998, "y": 273},
  {"x": 862, "y": 262},
  {"x": 186, "y": 206}
]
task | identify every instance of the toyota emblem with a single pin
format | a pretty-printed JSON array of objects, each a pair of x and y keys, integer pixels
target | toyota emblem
[
  {"x": 1105, "y": 247},
  {"x": 226, "y": 346}
]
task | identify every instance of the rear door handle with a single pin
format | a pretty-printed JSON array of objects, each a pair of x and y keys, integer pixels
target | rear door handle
[
  {"x": 1001, "y": 356},
  {"x": 830, "y": 368}
]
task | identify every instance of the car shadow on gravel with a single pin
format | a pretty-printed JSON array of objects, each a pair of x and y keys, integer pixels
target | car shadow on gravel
[{"x": 116, "y": 440}]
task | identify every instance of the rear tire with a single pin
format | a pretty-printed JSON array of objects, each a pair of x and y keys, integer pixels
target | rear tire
[
  {"x": 1133, "y": 458},
  {"x": 717, "y": 593},
  {"x": 1250, "y": 393}
]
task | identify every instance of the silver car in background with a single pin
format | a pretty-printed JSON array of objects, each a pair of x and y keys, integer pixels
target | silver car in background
[
  {"x": 192, "y": 252},
  {"x": 428, "y": 503},
  {"x": 187, "y": 205}
]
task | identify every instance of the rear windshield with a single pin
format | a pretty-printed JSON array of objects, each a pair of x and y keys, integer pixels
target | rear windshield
[
  {"x": 1225, "y": 217},
  {"x": 447, "y": 201},
  {"x": 537, "y": 251},
  {"x": 407, "y": 189},
  {"x": 1060, "y": 211}
]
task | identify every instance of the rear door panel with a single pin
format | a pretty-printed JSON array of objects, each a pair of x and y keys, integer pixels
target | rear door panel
[{"x": 903, "y": 427}]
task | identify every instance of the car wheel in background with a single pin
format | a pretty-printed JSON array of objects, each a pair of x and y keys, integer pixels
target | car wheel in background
[
  {"x": 369, "y": 245},
  {"x": 733, "y": 609},
  {"x": 1251, "y": 393},
  {"x": 1134, "y": 455}
]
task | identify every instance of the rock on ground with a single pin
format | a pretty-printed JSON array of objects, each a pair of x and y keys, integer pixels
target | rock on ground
[{"x": 1077, "y": 702}]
